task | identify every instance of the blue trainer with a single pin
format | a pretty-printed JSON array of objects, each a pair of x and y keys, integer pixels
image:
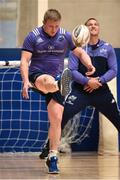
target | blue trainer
[{"x": 52, "y": 165}]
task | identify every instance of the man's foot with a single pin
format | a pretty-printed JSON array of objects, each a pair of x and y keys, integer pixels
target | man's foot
[
  {"x": 65, "y": 82},
  {"x": 52, "y": 165},
  {"x": 45, "y": 151}
]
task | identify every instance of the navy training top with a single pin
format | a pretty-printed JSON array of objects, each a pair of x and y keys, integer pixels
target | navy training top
[{"x": 103, "y": 58}]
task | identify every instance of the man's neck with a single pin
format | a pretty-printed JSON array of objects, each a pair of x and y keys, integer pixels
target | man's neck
[{"x": 93, "y": 40}]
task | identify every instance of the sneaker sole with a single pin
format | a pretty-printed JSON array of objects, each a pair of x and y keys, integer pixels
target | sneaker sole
[
  {"x": 53, "y": 172},
  {"x": 66, "y": 78}
]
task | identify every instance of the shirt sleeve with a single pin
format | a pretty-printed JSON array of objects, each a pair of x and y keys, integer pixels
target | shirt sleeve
[
  {"x": 28, "y": 44},
  {"x": 112, "y": 66},
  {"x": 73, "y": 65},
  {"x": 70, "y": 42}
]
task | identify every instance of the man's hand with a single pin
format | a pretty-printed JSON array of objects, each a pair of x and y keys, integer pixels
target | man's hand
[
  {"x": 92, "y": 85},
  {"x": 26, "y": 86},
  {"x": 91, "y": 70}
]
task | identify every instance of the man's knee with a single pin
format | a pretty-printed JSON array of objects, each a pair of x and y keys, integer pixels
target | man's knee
[{"x": 46, "y": 83}]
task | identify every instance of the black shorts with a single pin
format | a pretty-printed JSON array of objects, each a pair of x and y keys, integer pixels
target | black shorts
[{"x": 56, "y": 95}]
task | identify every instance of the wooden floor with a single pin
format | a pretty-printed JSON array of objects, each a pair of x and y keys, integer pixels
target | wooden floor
[{"x": 73, "y": 166}]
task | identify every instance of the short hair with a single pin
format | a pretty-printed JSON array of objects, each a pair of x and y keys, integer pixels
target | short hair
[
  {"x": 52, "y": 14},
  {"x": 91, "y": 19}
]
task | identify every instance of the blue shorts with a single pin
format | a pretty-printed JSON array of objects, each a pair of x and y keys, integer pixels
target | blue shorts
[{"x": 56, "y": 95}]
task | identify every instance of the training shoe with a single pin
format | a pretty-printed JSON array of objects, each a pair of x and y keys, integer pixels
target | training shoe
[
  {"x": 45, "y": 151},
  {"x": 65, "y": 82},
  {"x": 52, "y": 165}
]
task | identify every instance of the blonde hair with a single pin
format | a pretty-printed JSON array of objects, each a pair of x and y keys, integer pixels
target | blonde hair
[{"x": 51, "y": 14}]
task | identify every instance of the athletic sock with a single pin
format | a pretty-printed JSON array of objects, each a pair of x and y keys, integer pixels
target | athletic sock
[{"x": 52, "y": 153}]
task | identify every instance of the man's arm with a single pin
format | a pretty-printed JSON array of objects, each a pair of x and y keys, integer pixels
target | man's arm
[
  {"x": 89, "y": 83},
  {"x": 112, "y": 66},
  {"x": 24, "y": 65},
  {"x": 85, "y": 59},
  {"x": 108, "y": 75}
]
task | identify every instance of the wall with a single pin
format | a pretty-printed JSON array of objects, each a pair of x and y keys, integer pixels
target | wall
[{"x": 77, "y": 11}]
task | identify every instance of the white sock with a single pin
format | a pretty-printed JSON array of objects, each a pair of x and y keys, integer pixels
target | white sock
[{"x": 52, "y": 153}]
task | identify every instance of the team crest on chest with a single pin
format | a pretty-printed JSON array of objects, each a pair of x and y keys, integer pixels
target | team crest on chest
[
  {"x": 61, "y": 38},
  {"x": 103, "y": 50}
]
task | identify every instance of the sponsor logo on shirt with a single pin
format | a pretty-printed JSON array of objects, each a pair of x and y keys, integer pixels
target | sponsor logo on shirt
[{"x": 51, "y": 47}]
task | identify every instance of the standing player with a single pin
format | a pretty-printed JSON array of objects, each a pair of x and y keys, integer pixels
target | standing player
[
  {"x": 92, "y": 91},
  {"x": 44, "y": 49}
]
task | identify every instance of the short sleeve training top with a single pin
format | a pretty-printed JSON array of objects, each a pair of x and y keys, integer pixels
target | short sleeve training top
[{"x": 48, "y": 52}]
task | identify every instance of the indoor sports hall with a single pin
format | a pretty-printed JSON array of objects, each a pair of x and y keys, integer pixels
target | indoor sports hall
[{"x": 90, "y": 145}]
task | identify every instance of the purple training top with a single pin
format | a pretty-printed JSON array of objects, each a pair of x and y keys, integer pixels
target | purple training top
[{"x": 48, "y": 52}]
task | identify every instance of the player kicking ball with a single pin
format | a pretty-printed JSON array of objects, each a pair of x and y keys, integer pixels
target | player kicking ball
[{"x": 42, "y": 63}]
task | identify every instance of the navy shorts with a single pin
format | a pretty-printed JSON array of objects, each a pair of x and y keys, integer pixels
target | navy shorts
[{"x": 56, "y": 95}]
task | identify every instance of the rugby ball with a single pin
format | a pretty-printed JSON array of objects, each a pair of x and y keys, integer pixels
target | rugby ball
[{"x": 80, "y": 35}]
